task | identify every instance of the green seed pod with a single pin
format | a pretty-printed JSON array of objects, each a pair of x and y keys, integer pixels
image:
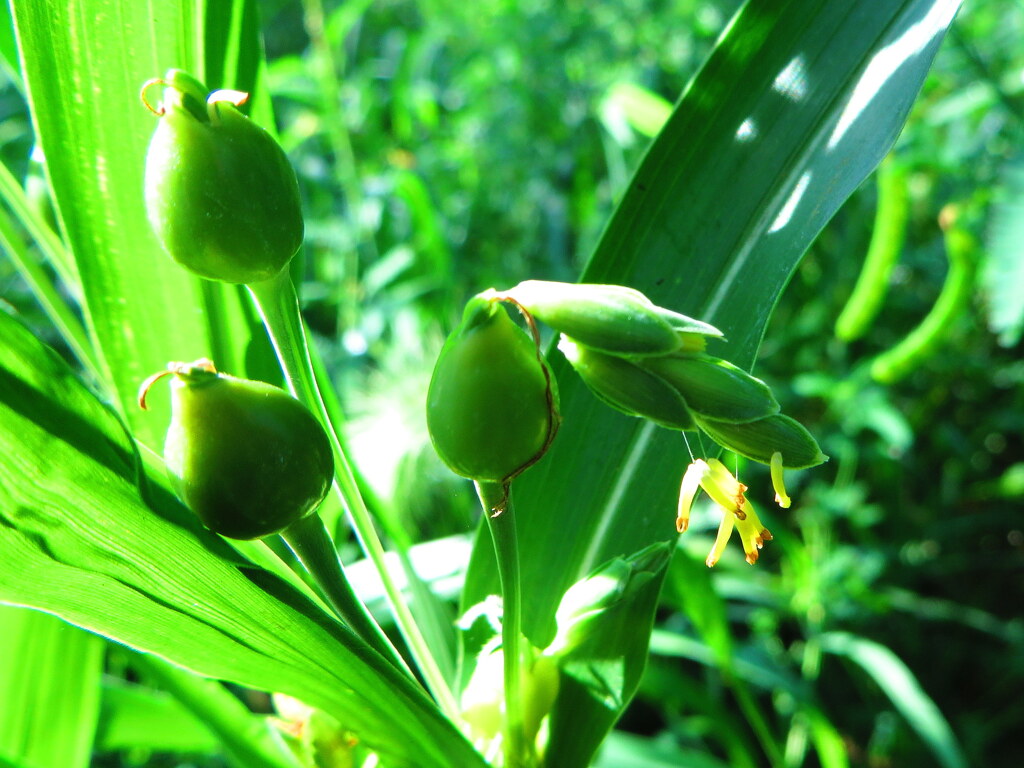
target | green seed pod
[
  {"x": 492, "y": 409},
  {"x": 758, "y": 440},
  {"x": 608, "y": 318},
  {"x": 246, "y": 457},
  {"x": 714, "y": 388},
  {"x": 627, "y": 387},
  {"x": 220, "y": 193}
]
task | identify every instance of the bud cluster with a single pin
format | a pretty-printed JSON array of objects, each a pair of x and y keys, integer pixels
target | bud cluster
[{"x": 650, "y": 362}]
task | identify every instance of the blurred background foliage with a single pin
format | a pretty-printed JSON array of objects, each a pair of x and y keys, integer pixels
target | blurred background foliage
[{"x": 445, "y": 147}]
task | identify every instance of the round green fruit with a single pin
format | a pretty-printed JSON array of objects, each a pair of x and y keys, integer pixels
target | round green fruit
[
  {"x": 220, "y": 193},
  {"x": 245, "y": 456},
  {"x": 492, "y": 409}
]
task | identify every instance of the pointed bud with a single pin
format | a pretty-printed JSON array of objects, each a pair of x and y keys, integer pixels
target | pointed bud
[
  {"x": 626, "y": 387},
  {"x": 759, "y": 440},
  {"x": 609, "y": 318},
  {"x": 714, "y": 388}
]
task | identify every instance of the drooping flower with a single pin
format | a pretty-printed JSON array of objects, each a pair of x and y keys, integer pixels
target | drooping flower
[{"x": 730, "y": 495}]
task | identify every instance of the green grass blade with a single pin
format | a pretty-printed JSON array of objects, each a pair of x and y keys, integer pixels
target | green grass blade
[
  {"x": 79, "y": 541},
  {"x": 84, "y": 64},
  {"x": 899, "y": 684},
  {"x": 50, "y": 679}
]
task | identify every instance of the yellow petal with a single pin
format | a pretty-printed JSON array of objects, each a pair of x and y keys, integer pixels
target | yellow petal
[
  {"x": 726, "y": 490},
  {"x": 724, "y": 532},
  {"x": 777, "y": 481},
  {"x": 692, "y": 479},
  {"x": 753, "y": 534}
]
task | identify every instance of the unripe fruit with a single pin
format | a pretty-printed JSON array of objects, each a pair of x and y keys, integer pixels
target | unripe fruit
[
  {"x": 220, "y": 193},
  {"x": 245, "y": 456},
  {"x": 492, "y": 409}
]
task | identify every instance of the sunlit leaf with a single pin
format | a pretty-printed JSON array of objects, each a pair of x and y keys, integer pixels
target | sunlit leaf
[
  {"x": 50, "y": 678},
  {"x": 79, "y": 541}
]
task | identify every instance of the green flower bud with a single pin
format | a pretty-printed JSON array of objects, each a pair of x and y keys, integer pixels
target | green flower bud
[
  {"x": 714, "y": 388},
  {"x": 246, "y": 457},
  {"x": 759, "y": 440},
  {"x": 595, "y": 604},
  {"x": 608, "y": 318},
  {"x": 627, "y": 387},
  {"x": 220, "y": 193},
  {"x": 492, "y": 409}
]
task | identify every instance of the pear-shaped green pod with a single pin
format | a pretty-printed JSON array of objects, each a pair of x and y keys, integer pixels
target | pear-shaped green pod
[
  {"x": 758, "y": 440},
  {"x": 245, "y": 456},
  {"x": 608, "y": 318},
  {"x": 626, "y": 387},
  {"x": 715, "y": 388},
  {"x": 492, "y": 409},
  {"x": 220, "y": 193}
]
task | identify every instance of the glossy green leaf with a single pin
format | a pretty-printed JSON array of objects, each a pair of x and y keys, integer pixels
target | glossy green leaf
[
  {"x": 898, "y": 683},
  {"x": 50, "y": 679},
  {"x": 140, "y": 307},
  {"x": 80, "y": 542},
  {"x": 797, "y": 104},
  {"x": 606, "y": 631}
]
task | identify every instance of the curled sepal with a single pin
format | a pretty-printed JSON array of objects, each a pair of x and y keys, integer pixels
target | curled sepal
[
  {"x": 609, "y": 318},
  {"x": 221, "y": 195},
  {"x": 627, "y": 387},
  {"x": 760, "y": 440},
  {"x": 492, "y": 406},
  {"x": 714, "y": 388},
  {"x": 245, "y": 456}
]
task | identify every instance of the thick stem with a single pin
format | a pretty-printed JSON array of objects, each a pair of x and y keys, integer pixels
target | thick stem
[
  {"x": 279, "y": 308},
  {"x": 501, "y": 519},
  {"x": 311, "y": 543}
]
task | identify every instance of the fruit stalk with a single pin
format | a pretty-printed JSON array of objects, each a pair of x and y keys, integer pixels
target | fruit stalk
[
  {"x": 279, "y": 308},
  {"x": 311, "y": 543},
  {"x": 501, "y": 521}
]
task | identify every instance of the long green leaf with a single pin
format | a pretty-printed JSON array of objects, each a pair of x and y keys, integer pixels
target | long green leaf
[
  {"x": 79, "y": 541},
  {"x": 798, "y": 102},
  {"x": 50, "y": 679},
  {"x": 899, "y": 684},
  {"x": 84, "y": 62}
]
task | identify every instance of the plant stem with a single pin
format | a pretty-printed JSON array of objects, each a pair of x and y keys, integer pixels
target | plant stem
[
  {"x": 279, "y": 308},
  {"x": 501, "y": 520},
  {"x": 311, "y": 543}
]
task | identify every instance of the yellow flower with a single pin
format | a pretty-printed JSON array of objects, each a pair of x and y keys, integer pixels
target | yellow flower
[{"x": 729, "y": 494}]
